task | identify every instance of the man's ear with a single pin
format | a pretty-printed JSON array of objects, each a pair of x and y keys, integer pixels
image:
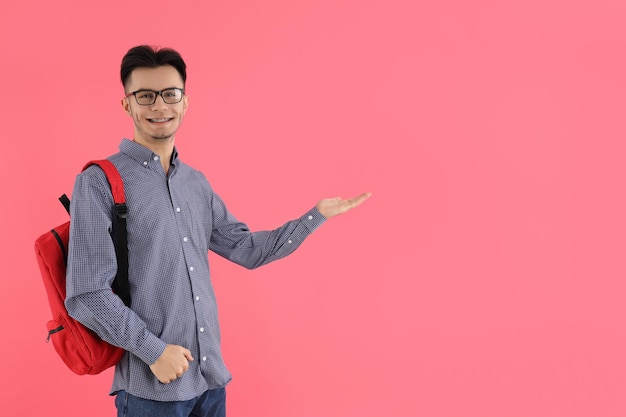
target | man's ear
[
  {"x": 126, "y": 106},
  {"x": 185, "y": 103}
]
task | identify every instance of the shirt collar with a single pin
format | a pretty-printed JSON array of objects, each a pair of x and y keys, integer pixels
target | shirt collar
[{"x": 141, "y": 154}]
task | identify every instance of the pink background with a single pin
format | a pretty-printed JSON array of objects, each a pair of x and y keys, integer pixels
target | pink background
[{"x": 485, "y": 277}]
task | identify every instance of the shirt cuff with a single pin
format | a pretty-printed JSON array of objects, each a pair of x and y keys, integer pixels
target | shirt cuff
[
  {"x": 151, "y": 349},
  {"x": 312, "y": 219}
]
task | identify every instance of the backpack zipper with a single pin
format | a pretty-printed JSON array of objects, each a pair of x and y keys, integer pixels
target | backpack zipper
[{"x": 53, "y": 331}]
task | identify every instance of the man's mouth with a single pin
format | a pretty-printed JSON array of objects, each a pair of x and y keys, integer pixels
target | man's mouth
[{"x": 161, "y": 120}]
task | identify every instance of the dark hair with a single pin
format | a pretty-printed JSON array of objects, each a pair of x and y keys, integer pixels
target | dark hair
[{"x": 151, "y": 57}]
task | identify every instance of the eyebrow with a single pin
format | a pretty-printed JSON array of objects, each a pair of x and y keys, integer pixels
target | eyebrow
[{"x": 151, "y": 89}]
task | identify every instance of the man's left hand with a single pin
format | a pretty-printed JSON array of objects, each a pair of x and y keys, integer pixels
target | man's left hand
[{"x": 330, "y": 207}]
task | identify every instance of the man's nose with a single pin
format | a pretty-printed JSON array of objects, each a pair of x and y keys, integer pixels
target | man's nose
[{"x": 159, "y": 103}]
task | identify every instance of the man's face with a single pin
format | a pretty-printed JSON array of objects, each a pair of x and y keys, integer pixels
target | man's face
[{"x": 159, "y": 121}]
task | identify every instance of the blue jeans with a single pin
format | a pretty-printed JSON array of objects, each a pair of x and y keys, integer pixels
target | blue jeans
[{"x": 211, "y": 403}]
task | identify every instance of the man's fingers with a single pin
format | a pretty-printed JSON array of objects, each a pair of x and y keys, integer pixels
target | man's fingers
[
  {"x": 356, "y": 201},
  {"x": 166, "y": 380},
  {"x": 362, "y": 197}
]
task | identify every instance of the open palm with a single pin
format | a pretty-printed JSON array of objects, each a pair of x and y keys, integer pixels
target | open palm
[{"x": 330, "y": 207}]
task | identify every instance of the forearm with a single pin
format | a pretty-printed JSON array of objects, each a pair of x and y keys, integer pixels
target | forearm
[
  {"x": 254, "y": 249},
  {"x": 105, "y": 314}
]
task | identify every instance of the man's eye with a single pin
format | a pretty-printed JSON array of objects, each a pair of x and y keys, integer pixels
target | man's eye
[{"x": 145, "y": 95}]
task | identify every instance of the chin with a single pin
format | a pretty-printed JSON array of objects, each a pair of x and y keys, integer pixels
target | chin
[{"x": 162, "y": 136}]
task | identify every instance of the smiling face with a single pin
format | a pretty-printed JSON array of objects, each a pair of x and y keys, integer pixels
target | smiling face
[{"x": 157, "y": 122}]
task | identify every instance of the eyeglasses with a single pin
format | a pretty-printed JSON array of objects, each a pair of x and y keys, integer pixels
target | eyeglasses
[{"x": 148, "y": 97}]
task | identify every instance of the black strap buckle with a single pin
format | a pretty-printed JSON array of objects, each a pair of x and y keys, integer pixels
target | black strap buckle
[{"x": 121, "y": 210}]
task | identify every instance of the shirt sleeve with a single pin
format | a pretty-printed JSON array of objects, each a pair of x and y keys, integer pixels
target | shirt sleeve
[
  {"x": 91, "y": 269},
  {"x": 233, "y": 240}
]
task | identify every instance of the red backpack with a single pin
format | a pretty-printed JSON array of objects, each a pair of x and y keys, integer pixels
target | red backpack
[{"x": 79, "y": 347}]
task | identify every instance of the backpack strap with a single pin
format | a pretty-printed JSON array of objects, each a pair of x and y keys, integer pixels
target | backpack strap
[
  {"x": 114, "y": 178},
  {"x": 66, "y": 203},
  {"x": 120, "y": 286}
]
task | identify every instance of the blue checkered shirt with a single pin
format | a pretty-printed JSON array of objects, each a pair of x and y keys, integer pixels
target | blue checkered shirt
[{"x": 173, "y": 221}]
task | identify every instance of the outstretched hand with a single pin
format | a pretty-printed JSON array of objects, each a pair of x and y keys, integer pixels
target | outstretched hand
[{"x": 330, "y": 207}]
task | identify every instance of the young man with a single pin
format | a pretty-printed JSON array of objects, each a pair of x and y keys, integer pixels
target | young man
[{"x": 173, "y": 365}]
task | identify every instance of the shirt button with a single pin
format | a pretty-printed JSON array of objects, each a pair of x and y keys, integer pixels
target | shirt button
[
  {"x": 290, "y": 241},
  {"x": 310, "y": 217},
  {"x": 185, "y": 239},
  {"x": 204, "y": 359},
  {"x": 191, "y": 268},
  {"x": 145, "y": 163},
  {"x": 197, "y": 298},
  {"x": 156, "y": 158},
  {"x": 177, "y": 209},
  {"x": 201, "y": 329}
]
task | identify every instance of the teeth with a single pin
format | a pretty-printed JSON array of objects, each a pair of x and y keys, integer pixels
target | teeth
[{"x": 159, "y": 120}]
